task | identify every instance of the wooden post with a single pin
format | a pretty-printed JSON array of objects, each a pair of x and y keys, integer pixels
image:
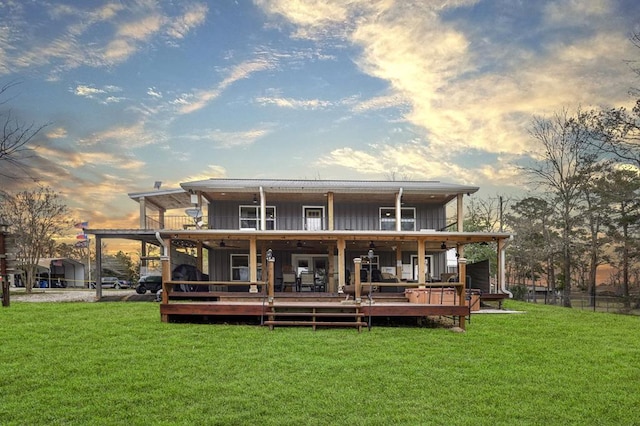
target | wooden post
[
  {"x": 143, "y": 214},
  {"x": 330, "y": 208},
  {"x": 341, "y": 259},
  {"x": 330, "y": 280},
  {"x": 357, "y": 265},
  {"x": 462, "y": 288},
  {"x": 399, "y": 263},
  {"x": 98, "y": 275},
  {"x": 166, "y": 288},
  {"x": 272, "y": 279},
  {"x": 421, "y": 268},
  {"x": 253, "y": 265}
]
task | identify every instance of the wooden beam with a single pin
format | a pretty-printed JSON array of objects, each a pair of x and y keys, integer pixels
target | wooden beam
[
  {"x": 253, "y": 264},
  {"x": 421, "y": 262},
  {"x": 342, "y": 244},
  {"x": 330, "y": 212}
]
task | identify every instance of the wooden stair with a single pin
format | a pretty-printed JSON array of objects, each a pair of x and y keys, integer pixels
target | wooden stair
[{"x": 311, "y": 314}]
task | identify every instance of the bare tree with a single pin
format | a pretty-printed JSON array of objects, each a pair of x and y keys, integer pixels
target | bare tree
[
  {"x": 36, "y": 217},
  {"x": 15, "y": 139},
  {"x": 568, "y": 158}
]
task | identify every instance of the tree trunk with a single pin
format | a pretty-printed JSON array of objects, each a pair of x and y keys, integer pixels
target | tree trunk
[{"x": 566, "y": 269}]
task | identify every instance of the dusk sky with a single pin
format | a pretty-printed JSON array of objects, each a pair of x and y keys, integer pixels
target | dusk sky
[{"x": 137, "y": 91}]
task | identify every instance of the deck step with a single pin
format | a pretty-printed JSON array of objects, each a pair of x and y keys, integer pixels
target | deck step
[
  {"x": 315, "y": 314},
  {"x": 318, "y": 323}
]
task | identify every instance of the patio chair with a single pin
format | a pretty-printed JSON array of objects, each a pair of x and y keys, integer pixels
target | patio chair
[
  {"x": 288, "y": 280},
  {"x": 307, "y": 279}
]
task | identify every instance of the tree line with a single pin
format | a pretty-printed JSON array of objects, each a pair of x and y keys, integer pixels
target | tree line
[{"x": 584, "y": 211}]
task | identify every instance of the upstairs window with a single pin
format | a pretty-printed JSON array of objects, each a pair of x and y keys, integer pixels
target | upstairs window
[
  {"x": 388, "y": 219},
  {"x": 250, "y": 217}
]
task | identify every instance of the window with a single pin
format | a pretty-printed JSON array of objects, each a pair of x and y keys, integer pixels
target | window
[
  {"x": 388, "y": 219},
  {"x": 250, "y": 217},
  {"x": 240, "y": 267}
]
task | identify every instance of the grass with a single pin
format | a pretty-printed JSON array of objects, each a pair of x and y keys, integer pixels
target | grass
[{"x": 116, "y": 363}]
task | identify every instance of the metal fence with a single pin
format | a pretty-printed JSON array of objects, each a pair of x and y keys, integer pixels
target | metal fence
[{"x": 613, "y": 304}]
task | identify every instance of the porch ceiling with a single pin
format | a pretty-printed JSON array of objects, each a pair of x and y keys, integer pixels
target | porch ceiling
[{"x": 322, "y": 241}]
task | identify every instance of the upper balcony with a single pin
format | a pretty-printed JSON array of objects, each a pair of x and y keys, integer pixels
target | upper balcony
[{"x": 294, "y": 223}]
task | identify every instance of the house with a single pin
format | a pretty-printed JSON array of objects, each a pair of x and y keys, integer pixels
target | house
[{"x": 314, "y": 230}]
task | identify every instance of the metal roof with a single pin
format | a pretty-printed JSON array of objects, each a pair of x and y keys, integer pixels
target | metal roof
[
  {"x": 319, "y": 186},
  {"x": 163, "y": 199},
  {"x": 169, "y": 199}
]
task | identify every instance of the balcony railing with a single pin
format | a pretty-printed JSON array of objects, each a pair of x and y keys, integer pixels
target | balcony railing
[{"x": 284, "y": 223}]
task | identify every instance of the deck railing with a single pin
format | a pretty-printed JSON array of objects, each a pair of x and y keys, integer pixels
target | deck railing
[{"x": 297, "y": 223}]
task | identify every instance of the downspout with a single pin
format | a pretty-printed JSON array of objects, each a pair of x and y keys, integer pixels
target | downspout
[
  {"x": 263, "y": 216},
  {"x": 165, "y": 251},
  {"x": 399, "y": 210},
  {"x": 503, "y": 273}
]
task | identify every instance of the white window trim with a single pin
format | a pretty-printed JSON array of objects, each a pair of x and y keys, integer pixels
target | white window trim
[
  {"x": 392, "y": 218},
  {"x": 304, "y": 214},
  {"x": 257, "y": 218}
]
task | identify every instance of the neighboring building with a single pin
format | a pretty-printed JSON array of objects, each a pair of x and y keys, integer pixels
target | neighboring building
[{"x": 312, "y": 227}]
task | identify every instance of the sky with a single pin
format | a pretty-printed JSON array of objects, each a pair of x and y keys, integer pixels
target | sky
[{"x": 137, "y": 91}]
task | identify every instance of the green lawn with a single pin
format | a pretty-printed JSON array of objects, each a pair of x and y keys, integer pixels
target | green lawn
[{"x": 116, "y": 363}]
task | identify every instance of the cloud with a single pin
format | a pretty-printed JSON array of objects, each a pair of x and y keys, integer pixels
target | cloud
[
  {"x": 461, "y": 84},
  {"x": 308, "y": 104},
  {"x": 212, "y": 171},
  {"x": 229, "y": 140},
  {"x": 128, "y": 28},
  {"x": 57, "y": 133},
  {"x": 192, "y": 102},
  {"x": 193, "y": 17},
  {"x": 103, "y": 95},
  {"x": 154, "y": 93},
  {"x": 380, "y": 102},
  {"x": 130, "y": 136}
]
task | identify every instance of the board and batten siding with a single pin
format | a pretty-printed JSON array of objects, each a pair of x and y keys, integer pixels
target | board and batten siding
[{"x": 347, "y": 216}]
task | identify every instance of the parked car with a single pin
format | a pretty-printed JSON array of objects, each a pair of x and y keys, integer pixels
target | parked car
[
  {"x": 114, "y": 282},
  {"x": 152, "y": 283}
]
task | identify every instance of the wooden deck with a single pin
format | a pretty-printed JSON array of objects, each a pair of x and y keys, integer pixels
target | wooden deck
[{"x": 303, "y": 309}]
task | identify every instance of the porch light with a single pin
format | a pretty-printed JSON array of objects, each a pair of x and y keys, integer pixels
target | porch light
[
  {"x": 222, "y": 244},
  {"x": 443, "y": 246},
  {"x": 255, "y": 199},
  {"x": 371, "y": 246},
  {"x": 269, "y": 254},
  {"x": 299, "y": 244}
]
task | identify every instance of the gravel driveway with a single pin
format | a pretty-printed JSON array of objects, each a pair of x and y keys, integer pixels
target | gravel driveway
[{"x": 72, "y": 295}]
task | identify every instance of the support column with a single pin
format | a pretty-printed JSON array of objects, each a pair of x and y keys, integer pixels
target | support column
[
  {"x": 166, "y": 277},
  {"x": 330, "y": 212},
  {"x": 341, "y": 261},
  {"x": 98, "y": 274},
  {"x": 399, "y": 263},
  {"x": 357, "y": 263},
  {"x": 330, "y": 285},
  {"x": 462, "y": 293},
  {"x": 271, "y": 285},
  {"x": 253, "y": 265},
  {"x": 421, "y": 266},
  {"x": 460, "y": 213},
  {"x": 199, "y": 259},
  {"x": 143, "y": 213}
]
